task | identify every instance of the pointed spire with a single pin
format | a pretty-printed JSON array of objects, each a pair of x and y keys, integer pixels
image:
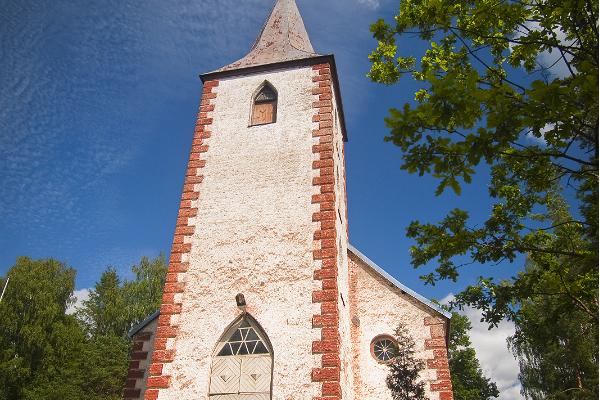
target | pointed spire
[{"x": 283, "y": 38}]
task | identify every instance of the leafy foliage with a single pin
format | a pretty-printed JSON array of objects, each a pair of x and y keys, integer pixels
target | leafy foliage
[
  {"x": 114, "y": 307},
  {"x": 558, "y": 355},
  {"x": 403, "y": 378},
  {"x": 144, "y": 293},
  {"x": 487, "y": 102},
  {"x": 34, "y": 328},
  {"x": 105, "y": 310},
  {"x": 468, "y": 380},
  {"x": 48, "y": 354}
]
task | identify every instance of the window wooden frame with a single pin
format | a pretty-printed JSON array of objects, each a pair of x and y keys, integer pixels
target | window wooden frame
[{"x": 264, "y": 102}]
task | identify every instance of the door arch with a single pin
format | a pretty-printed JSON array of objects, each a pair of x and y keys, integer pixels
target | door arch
[{"x": 242, "y": 365}]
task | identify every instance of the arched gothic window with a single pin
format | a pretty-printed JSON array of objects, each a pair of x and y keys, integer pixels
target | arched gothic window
[
  {"x": 264, "y": 107},
  {"x": 242, "y": 363}
]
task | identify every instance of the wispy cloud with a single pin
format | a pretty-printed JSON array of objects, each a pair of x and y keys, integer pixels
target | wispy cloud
[
  {"x": 90, "y": 94},
  {"x": 80, "y": 88},
  {"x": 53, "y": 149},
  {"x": 497, "y": 362},
  {"x": 80, "y": 85},
  {"x": 370, "y": 3}
]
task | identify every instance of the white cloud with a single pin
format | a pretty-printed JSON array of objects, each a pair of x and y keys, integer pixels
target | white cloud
[
  {"x": 555, "y": 62},
  {"x": 540, "y": 140},
  {"x": 80, "y": 296},
  {"x": 552, "y": 60},
  {"x": 370, "y": 3},
  {"x": 497, "y": 362}
]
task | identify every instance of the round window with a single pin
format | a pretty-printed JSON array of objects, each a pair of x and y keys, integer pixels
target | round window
[{"x": 384, "y": 348}]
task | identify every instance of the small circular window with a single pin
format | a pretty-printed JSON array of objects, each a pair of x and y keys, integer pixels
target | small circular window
[{"x": 384, "y": 348}]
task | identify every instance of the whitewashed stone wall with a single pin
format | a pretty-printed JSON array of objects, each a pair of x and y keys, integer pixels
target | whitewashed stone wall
[
  {"x": 254, "y": 235},
  {"x": 377, "y": 308},
  {"x": 346, "y": 377}
]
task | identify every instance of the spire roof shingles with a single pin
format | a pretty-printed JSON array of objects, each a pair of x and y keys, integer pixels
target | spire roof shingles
[{"x": 283, "y": 38}]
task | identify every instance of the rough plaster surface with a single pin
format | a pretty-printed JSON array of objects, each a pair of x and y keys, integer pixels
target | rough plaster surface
[
  {"x": 254, "y": 235},
  {"x": 377, "y": 308},
  {"x": 346, "y": 377}
]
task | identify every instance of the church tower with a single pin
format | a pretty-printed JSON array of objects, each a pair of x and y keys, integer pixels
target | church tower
[
  {"x": 256, "y": 301},
  {"x": 265, "y": 299}
]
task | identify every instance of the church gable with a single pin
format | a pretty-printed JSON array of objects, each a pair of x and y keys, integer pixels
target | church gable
[
  {"x": 378, "y": 303},
  {"x": 402, "y": 290}
]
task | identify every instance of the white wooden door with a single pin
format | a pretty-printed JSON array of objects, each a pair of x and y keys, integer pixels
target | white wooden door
[
  {"x": 254, "y": 396},
  {"x": 255, "y": 374},
  {"x": 225, "y": 377},
  {"x": 241, "y": 368}
]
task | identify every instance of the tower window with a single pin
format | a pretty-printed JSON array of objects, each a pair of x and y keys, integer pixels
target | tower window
[{"x": 264, "y": 107}]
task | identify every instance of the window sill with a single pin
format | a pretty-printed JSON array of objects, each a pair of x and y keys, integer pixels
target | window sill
[{"x": 263, "y": 124}]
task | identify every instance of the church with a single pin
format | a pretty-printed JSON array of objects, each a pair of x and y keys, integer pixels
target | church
[{"x": 265, "y": 298}]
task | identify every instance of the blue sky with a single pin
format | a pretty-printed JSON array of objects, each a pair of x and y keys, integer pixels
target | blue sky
[{"x": 97, "y": 113}]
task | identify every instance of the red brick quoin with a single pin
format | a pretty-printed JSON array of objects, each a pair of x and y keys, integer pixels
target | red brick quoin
[
  {"x": 439, "y": 362},
  {"x": 137, "y": 371},
  {"x": 328, "y": 374},
  {"x": 164, "y": 352}
]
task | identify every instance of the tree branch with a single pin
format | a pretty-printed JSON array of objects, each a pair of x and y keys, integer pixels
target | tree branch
[
  {"x": 577, "y": 301},
  {"x": 485, "y": 64}
]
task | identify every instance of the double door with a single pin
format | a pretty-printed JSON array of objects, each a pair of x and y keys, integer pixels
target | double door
[{"x": 241, "y": 377}]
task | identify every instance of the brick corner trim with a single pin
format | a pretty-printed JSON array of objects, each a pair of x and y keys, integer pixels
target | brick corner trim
[
  {"x": 137, "y": 365},
  {"x": 326, "y": 251},
  {"x": 166, "y": 332},
  {"x": 439, "y": 362}
]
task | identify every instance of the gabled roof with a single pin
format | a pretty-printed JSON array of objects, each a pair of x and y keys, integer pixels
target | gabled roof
[
  {"x": 399, "y": 285},
  {"x": 283, "y": 38},
  {"x": 143, "y": 324}
]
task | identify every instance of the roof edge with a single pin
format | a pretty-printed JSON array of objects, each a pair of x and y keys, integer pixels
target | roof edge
[
  {"x": 143, "y": 324},
  {"x": 399, "y": 285},
  {"x": 302, "y": 62}
]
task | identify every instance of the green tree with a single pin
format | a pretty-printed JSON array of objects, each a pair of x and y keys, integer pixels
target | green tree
[
  {"x": 144, "y": 293},
  {"x": 105, "y": 311},
  {"x": 113, "y": 308},
  {"x": 39, "y": 343},
  {"x": 60, "y": 376},
  {"x": 558, "y": 355},
  {"x": 468, "y": 380},
  {"x": 475, "y": 108},
  {"x": 105, "y": 368},
  {"x": 47, "y": 354},
  {"x": 403, "y": 378},
  {"x": 484, "y": 95}
]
